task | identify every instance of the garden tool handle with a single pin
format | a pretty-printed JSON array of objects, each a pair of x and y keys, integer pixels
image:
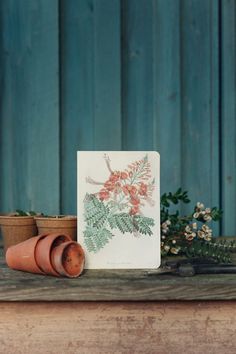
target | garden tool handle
[{"x": 187, "y": 270}]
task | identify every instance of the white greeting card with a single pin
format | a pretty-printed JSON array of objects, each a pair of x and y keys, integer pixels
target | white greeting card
[{"x": 119, "y": 208}]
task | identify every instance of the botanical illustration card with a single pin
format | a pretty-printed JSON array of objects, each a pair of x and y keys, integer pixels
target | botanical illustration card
[{"x": 119, "y": 208}]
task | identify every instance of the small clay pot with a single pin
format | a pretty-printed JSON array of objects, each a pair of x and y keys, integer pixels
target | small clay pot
[
  {"x": 62, "y": 224},
  {"x": 44, "y": 249},
  {"x": 22, "y": 255},
  {"x": 68, "y": 259},
  {"x": 16, "y": 229}
]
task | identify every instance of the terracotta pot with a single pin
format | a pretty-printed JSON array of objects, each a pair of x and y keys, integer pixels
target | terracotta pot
[
  {"x": 16, "y": 229},
  {"x": 22, "y": 255},
  {"x": 44, "y": 249},
  {"x": 65, "y": 225},
  {"x": 68, "y": 259}
]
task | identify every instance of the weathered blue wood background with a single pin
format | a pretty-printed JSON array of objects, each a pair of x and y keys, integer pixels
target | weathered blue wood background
[{"x": 117, "y": 74}]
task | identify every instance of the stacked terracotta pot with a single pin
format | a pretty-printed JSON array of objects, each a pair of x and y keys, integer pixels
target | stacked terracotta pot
[
  {"x": 16, "y": 228},
  {"x": 54, "y": 254}
]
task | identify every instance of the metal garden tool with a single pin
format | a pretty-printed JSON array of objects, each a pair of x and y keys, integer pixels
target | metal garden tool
[{"x": 188, "y": 268}]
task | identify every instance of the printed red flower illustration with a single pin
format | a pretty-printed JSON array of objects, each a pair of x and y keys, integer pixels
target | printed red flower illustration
[{"x": 118, "y": 203}]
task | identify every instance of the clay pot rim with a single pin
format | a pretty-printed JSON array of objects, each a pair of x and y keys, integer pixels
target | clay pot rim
[
  {"x": 56, "y": 218},
  {"x": 40, "y": 237},
  {"x": 10, "y": 220},
  {"x": 65, "y": 245},
  {"x": 34, "y": 242},
  {"x": 56, "y": 235},
  {"x": 9, "y": 216}
]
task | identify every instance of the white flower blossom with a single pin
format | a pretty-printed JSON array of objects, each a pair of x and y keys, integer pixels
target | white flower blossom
[
  {"x": 201, "y": 234},
  {"x": 164, "y": 225},
  {"x": 208, "y": 237},
  {"x": 175, "y": 250},
  {"x": 187, "y": 228},
  {"x": 206, "y": 228},
  {"x": 196, "y": 215},
  {"x": 190, "y": 236},
  {"x": 208, "y": 210},
  {"x": 200, "y": 205},
  {"x": 173, "y": 241},
  {"x": 207, "y": 217},
  {"x": 163, "y": 237},
  {"x": 166, "y": 248},
  {"x": 168, "y": 222}
]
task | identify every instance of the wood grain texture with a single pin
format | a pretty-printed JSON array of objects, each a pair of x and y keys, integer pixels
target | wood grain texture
[
  {"x": 90, "y": 85},
  {"x": 228, "y": 112},
  {"x": 107, "y": 75},
  {"x": 159, "y": 62},
  {"x": 29, "y": 119},
  {"x": 200, "y": 120},
  {"x": 167, "y": 91},
  {"x": 120, "y": 328},
  {"x": 137, "y": 75},
  {"x": 114, "y": 285},
  {"x": 77, "y": 92}
]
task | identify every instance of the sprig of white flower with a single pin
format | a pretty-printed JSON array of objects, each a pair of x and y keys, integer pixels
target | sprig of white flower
[
  {"x": 205, "y": 233},
  {"x": 201, "y": 213},
  {"x": 167, "y": 248},
  {"x": 175, "y": 250},
  {"x": 189, "y": 233},
  {"x": 200, "y": 206},
  {"x": 165, "y": 226}
]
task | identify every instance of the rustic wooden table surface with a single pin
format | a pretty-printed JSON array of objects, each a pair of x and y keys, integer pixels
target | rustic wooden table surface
[{"x": 116, "y": 312}]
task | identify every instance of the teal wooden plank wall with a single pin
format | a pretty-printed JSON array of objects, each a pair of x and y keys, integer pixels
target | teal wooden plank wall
[{"x": 117, "y": 75}]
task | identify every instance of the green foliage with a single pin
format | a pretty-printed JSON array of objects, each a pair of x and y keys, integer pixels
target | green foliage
[
  {"x": 216, "y": 214},
  {"x": 127, "y": 223},
  {"x": 96, "y": 212},
  {"x": 99, "y": 218},
  {"x": 20, "y": 212},
  {"x": 142, "y": 224},
  {"x": 209, "y": 250},
  {"x": 95, "y": 239},
  {"x": 189, "y": 235},
  {"x": 122, "y": 221},
  {"x": 175, "y": 198}
]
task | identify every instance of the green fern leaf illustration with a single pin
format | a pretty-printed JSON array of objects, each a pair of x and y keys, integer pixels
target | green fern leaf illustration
[
  {"x": 95, "y": 211},
  {"x": 142, "y": 224},
  {"x": 122, "y": 221},
  {"x": 95, "y": 239}
]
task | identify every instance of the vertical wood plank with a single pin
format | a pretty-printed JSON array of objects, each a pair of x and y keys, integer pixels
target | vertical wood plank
[
  {"x": 107, "y": 103},
  {"x": 200, "y": 117},
  {"x": 77, "y": 92},
  {"x": 166, "y": 102},
  {"x": 29, "y": 140},
  {"x": 137, "y": 74},
  {"x": 159, "y": 62},
  {"x": 90, "y": 85},
  {"x": 228, "y": 112},
  {"x": 215, "y": 112}
]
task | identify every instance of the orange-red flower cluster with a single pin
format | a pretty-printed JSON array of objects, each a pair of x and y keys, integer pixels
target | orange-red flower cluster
[
  {"x": 143, "y": 189},
  {"x": 117, "y": 184},
  {"x": 112, "y": 184}
]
